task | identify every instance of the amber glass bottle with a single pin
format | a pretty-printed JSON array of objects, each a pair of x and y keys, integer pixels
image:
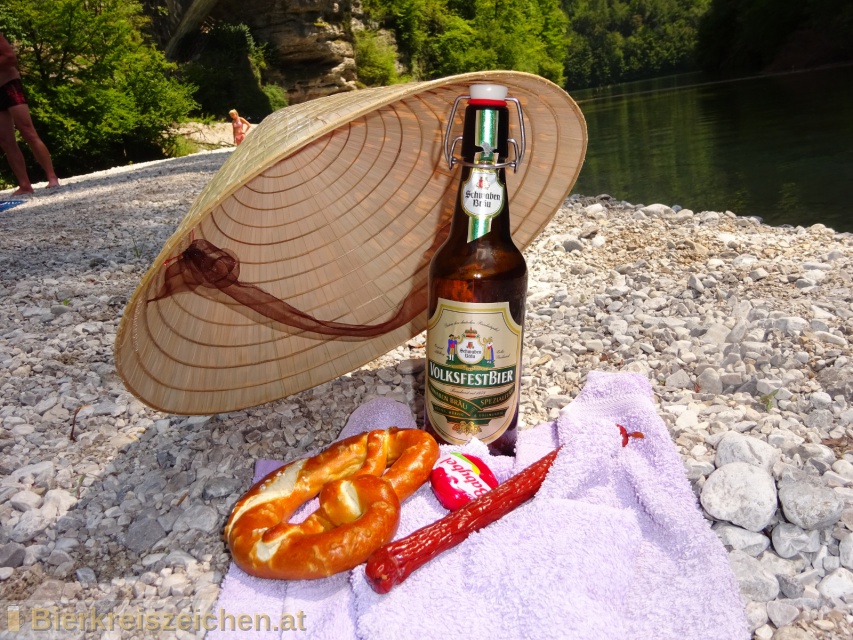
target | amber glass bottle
[{"x": 477, "y": 291}]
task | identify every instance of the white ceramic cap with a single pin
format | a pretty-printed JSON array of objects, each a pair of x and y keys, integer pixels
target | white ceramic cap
[{"x": 488, "y": 92}]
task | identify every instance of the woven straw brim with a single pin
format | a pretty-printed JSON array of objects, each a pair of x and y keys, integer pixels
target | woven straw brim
[{"x": 329, "y": 205}]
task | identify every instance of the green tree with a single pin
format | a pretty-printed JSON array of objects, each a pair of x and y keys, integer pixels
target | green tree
[
  {"x": 99, "y": 94},
  {"x": 443, "y": 37},
  {"x": 227, "y": 70},
  {"x": 414, "y": 23},
  {"x": 375, "y": 58},
  {"x": 617, "y": 40}
]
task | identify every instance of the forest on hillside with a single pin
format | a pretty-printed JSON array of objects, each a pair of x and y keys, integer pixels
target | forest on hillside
[
  {"x": 576, "y": 43},
  {"x": 103, "y": 92},
  {"x": 590, "y": 43}
]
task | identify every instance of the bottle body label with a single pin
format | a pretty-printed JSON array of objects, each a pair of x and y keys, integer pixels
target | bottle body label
[{"x": 473, "y": 366}]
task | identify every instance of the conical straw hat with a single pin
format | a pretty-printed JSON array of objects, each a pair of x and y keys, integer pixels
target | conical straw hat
[{"x": 306, "y": 256}]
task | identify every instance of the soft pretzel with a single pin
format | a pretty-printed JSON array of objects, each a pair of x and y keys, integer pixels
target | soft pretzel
[{"x": 359, "y": 506}]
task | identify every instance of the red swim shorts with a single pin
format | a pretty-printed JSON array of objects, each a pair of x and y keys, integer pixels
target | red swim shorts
[{"x": 11, "y": 94}]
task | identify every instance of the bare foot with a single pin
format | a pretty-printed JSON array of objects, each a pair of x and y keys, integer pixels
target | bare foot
[
  {"x": 53, "y": 183},
  {"x": 20, "y": 191}
]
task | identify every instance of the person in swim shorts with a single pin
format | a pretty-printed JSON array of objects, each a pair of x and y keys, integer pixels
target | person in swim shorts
[
  {"x": 240, "y": 124},
  {"x": 14, "y": 113}
]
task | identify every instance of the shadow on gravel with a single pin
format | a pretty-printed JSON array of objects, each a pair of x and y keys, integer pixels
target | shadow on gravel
[
  {"x": 124, "y": 216},
  {"x": 163, "y": 499}
]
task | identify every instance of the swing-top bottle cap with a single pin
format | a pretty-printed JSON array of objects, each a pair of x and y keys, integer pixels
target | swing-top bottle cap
[{"x": 489, "y": 93}]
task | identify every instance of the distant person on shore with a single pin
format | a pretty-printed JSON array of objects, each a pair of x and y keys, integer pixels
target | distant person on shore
[
  {"x": 240, "y": 124},
  {"x": 14, "y": 112}
]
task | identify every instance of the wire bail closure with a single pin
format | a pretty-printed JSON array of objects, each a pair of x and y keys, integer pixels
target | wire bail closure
[{"x": 449, "y": 146}]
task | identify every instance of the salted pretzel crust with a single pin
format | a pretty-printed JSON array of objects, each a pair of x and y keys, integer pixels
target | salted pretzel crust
[{"x": 361, "y": 482}]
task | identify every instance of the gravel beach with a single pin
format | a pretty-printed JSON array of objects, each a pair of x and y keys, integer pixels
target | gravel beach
[{"x": 743, "y": 329}]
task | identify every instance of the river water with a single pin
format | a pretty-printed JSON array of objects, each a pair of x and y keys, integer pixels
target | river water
[{"x": 778, "y": 147}]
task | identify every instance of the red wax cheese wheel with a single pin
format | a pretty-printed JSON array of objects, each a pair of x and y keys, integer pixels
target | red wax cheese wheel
[{"x": 458, "y": 478}]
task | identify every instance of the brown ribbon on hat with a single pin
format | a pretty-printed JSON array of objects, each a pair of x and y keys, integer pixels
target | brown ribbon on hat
[{"x": 203, "y": 264}]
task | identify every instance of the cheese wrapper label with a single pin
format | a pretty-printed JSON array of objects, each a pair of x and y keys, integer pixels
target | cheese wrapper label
[{"x": 458, "y": 478}]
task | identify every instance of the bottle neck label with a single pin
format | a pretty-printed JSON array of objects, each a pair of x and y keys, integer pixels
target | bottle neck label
[
  {"x": 482, "y": 195},
  {"x": 473, "y": 363}
]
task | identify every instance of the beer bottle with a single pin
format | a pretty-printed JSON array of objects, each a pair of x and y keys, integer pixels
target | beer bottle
[{"x": 477, "y": 289}]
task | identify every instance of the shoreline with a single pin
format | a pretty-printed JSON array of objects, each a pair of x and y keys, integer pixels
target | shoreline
[{"x": 743, "y": 329}]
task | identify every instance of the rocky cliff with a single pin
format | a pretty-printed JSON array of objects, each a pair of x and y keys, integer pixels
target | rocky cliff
[{"x": 309, "y": 41}]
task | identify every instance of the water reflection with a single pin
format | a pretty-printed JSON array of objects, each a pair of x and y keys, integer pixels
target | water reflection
[{"x": 776, "y": 147}]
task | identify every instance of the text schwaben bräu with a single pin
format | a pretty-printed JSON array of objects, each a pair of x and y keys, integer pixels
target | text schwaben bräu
[
  {"x": 92, "y": 620},
  {"x": 472, "y": 370},
  {"x": 482, "y": 196}
]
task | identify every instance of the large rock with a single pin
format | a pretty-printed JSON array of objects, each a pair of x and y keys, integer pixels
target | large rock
[
  {"x": 756, "y": 615},
  {"x": 781, "y": 613},
  {"x": 47, "y": 593},
  {"x": 696, "y": 469},
  {"x": 31, "y": 525},
  {"x": 791, "y": 326},
  {"x": 742, "y": 494},
  {"x": 789, "y": 540},
  {"x": 311, "y": 40},
  {"x": 709, "y": 381},
  {"x": 657, "y": 210},
  {"x": 12, "y": 555},
  {"x": 736, "y": 447},
  {"x": 26, "y": 500},
  {"x": 86, "y": 575},
  {"x": 837, "y": 381},
  {"x": 143, "y": 534},
  {"x": 199, "y": 517},
  {"x": 784, "y": 440},
  {"x": 755, "y": 582},
  {"x": 37, "y": 473},
  {"x": 810, "y": 450},
  {"x": 679, "y": 380},
  {"x": 810, "y": 506},
  {"x": 821, "y": 400},
  {"x": 780, "y": 566},
  {"x": 845, "y": 552},
  {"x": 220, "y": 486},
  {"x": 837, "y": 584},
  {"x": 57, "y": 502},
  {"x": 742, "y": 540},
  {"x": 790, "y": 587}
]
